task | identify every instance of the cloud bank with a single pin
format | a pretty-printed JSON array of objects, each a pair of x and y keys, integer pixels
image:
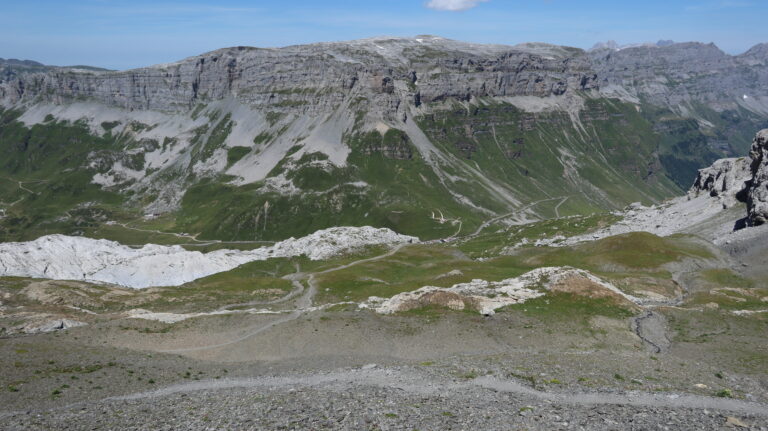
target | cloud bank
[{"x": 453, "y": 5}]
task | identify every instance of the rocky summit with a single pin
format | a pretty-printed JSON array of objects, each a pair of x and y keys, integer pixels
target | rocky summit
[{"x": 386, "y": 234}]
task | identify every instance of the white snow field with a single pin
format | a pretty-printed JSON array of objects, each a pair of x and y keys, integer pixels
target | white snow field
[{"x": 61, "y": 257}]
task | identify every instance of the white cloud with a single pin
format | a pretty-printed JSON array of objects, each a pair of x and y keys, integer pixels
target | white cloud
[{"x": 453, "y": 5}]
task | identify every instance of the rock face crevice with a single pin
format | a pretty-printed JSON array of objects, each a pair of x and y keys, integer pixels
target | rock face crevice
[{"x": 757, "y": 191}]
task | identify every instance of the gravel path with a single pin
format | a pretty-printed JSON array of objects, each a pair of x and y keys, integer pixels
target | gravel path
[{"x": 398, "y": 398}]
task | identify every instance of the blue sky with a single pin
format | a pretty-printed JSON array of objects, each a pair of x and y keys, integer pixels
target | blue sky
[{"x": 124, "y": 34}]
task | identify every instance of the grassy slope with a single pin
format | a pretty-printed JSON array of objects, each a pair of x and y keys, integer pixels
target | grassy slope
[
  {"x": 639, "y": 255},
  {"x": 611, "y": 156},
  {"x": 400, "y": 194},
  {"x": 49, "y": 159},
  {"x": 614, "y": 157}
]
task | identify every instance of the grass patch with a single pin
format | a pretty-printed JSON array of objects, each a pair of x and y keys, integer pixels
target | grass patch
[
  {"x": 724, "y": 393},
  {"x": 563, "y": 306},
  {"x": 636, "y": 251},
  {"x": 235, "y": 154},
  {"x": 726, "y": 278}
]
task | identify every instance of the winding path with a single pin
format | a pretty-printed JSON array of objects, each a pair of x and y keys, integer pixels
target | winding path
[
  {"x": 303, "y": 303},
  {"x": 413, "y": 381},
  {"x": 21, "y": 186},
  {"x": 517, "y": 211}
]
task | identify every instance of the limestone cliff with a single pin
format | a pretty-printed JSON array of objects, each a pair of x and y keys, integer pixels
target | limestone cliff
[
  {"x": 757, "y": 193},
  {"x": 725, "y": 179}
]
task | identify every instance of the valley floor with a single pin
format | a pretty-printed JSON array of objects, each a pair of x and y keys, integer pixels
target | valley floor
[{"x": 668, "y": 334}]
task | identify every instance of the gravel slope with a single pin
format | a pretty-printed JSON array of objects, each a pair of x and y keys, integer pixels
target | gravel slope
[{"x": 389, "y": 399}]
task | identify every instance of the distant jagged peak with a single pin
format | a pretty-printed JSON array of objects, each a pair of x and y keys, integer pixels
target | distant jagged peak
[
  {"x": 34, "y": 66},
  {"x": 20, "y": 63},
  {"x": 757, "y": 52}
]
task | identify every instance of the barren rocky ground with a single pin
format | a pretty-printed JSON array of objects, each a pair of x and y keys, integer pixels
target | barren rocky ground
[{"x": 358, "y": 370}]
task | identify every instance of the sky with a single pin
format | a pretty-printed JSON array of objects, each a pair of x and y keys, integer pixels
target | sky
[{"x": 119, "y": 34}]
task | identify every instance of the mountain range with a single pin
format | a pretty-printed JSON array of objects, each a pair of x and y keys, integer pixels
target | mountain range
[{"x": 425, "y": 135}]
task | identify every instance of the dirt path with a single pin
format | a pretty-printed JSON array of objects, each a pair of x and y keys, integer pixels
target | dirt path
[
  {"x": 198, "y": 242},
  {"x": 303, "y": 303},
  {"x": 557, "y": 207},
  {"x": 517, "y": 211},
  {"x": 21, "y": 186},
  {"x": 414, "y": 382}
]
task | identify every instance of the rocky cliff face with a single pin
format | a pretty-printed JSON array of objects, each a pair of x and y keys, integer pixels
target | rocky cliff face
[
  {"x": 743, "y": 178},
  {"x": 388, "y": 75},
  {"x": 725, "y": 179},
  {"x": 398, "y": 71},
  {"x": 757, "y": 193},
  {"x": 683, "y": 74}
]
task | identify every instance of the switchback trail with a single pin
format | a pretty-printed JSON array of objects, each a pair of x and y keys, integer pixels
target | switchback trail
[{"x": 517, "y": 211}]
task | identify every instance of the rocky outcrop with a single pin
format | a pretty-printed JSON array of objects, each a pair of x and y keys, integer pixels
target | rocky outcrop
[
  {"x": 486, "y": 297},
  {"x": 725, "y": 179},
  {"x": 757, "y": 192},
  {"x": 745, "y": 179}
]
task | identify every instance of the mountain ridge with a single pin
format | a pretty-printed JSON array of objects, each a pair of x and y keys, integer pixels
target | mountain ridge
[{"x": 280, "y": 134}]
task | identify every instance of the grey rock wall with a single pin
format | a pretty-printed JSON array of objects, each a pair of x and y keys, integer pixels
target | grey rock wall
[
  {"x": 757, "y": 193},
  {"x": 725, "y": 179},
  {"x": 385, "y": 75}
]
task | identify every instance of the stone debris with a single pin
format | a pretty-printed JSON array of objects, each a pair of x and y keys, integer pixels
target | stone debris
[
  {"x": 62, "y": 257},
  {"x": 43, "y": 323},
  {"x": 735, "y": 422},
  {"x": 486, "y": 297}
]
